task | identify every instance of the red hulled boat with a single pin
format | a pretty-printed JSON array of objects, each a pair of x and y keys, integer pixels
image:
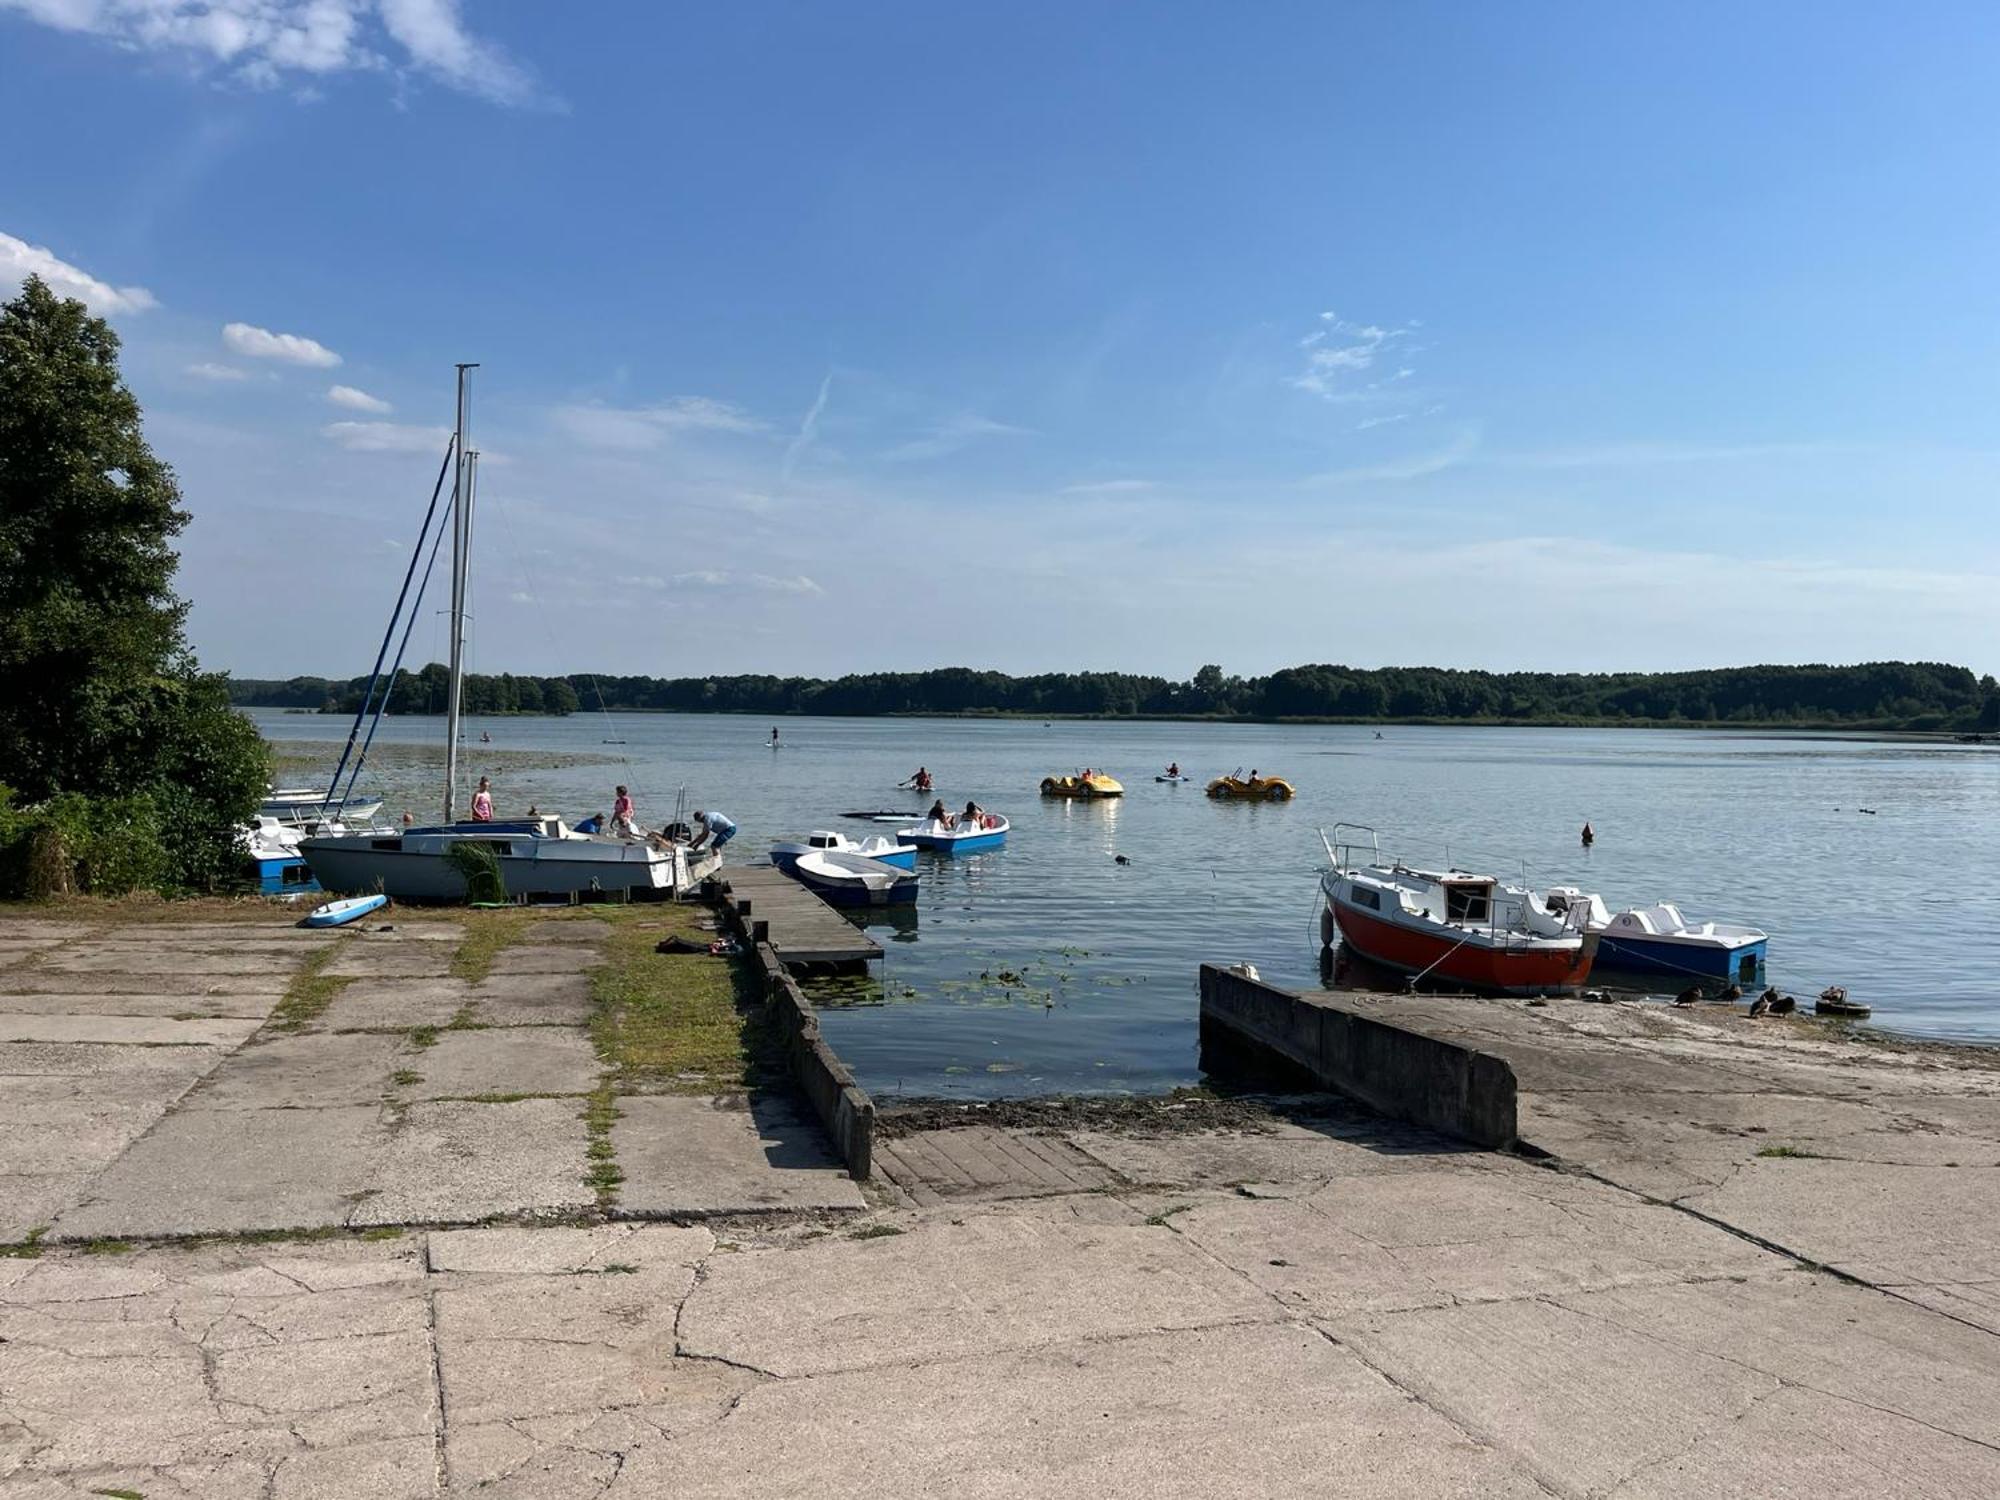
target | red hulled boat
[{"x": 1451, "y": 926}]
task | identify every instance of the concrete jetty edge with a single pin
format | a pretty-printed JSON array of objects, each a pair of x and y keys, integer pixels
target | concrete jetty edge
[{"x": 1406, "y": 1075}]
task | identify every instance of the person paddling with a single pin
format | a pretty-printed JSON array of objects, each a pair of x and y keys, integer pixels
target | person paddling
[{"x": 1174, "y": 769}]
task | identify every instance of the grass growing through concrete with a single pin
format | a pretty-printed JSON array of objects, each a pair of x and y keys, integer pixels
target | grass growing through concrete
[
  {"x": 488, "y": 934},
  {"x": 1798, "y": 1153},
  {"x": 676, "y": 1022},
  {"x": 310, "y": 992}
]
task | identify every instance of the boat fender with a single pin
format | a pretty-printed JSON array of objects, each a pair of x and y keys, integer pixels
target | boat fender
[{"x": 1326, "y": 927}]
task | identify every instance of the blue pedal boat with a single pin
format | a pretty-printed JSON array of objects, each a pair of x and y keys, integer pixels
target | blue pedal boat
[
  {"x": 958, "y": 836},
  {"x": 1658, "y": 939}
]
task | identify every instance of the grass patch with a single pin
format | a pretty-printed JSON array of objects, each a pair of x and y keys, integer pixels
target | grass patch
[
  {"x": 403, "y": 1078},
  {"x": 875, "y": 1232},
  {"x": 488, "y": 934},
  {"x": 677, "y": 1022},
  {"x": 27, "y": 1249},
  {"x": 1798, "y": 1153},
  {"x": 605, "y": 1176},
  {"x": 107, "y": 1247},
  {"x": 310, "y": 992},
  {"x": 386, "y": 1232},
  {"x": 423, "y": 1037}
]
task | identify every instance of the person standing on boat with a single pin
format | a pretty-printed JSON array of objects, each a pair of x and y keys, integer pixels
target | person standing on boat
[
  {"x": 622, "y": 819},
  {"x": 774, "y": 734},
  {"x": 482, "y": 802},
  {"x": 712, "y": 829}
]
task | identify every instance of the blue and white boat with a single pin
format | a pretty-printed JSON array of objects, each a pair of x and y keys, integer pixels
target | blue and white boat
[
  {"x": 877, "y": 846},
  {"x": 853, "y": 880},
  {"x": 1658, "y": 939},
  {"x": 957, "y": 835},
  {"x": 271, "y": 847}
]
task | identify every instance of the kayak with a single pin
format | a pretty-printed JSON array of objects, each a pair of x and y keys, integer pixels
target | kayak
[{"x": 340, "y": 913}]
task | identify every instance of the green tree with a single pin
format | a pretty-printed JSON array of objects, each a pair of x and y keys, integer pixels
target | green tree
[{"x": 103, "y": 697}]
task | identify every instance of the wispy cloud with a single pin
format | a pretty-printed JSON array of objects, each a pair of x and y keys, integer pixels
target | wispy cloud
[
  {"x": 1338, "y": 352},
  {"x": 19, "y": 260},
  {"x": 712, "y": 578},
  {"x": 253, "y": 342},
  {"x": 1110, "y": 487},
  {"x": 952, "y": 435},
  {"x": 1367, "y": 422},
  {"x": 1415, "y": 466},
  {"x": 357, "y": 400},
  {"x": 265, "y": 43},
  {"x": 387, "y": 437},
  {"x": 637, "y": 428},
  {"x": 808, "y": 427},
  {"x": 208, "y": 370}
]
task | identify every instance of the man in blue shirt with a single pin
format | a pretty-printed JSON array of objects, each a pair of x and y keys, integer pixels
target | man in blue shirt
[{"x": 712, "y": 829}]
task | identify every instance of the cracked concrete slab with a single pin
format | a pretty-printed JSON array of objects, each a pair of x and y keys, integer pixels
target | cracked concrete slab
[
  {"x": 40, "y": 981},
  {"x": 560, "y": 1251},
  {"x": 689, "y": 1155},
  {"x": 145, "y": 960},
  {"x": 1152, "y": 1414},
  {"x": 506, "y": 1060},
  {"x": 1385, "y": 1243},
  {"x": 310, "y": 1071},
  {"x": 366, "y": 960},
  {"x": 1890, "y": 1225},
  {"x": 127, "y": 1031},
  {"x": 455, "y": 1163},
  {"x": 532, "y": 1000},
  {"x": 1224, "y": 1158},
  {"x": 1560, "y": 1391},
  {"x": 949, "y": 1290},
  {"x": 545, "y": 958},
  {"x": 396, "y": 1005},
  {"x": 177, "y": 1007},
  {"x": 231, "y": 1171}
]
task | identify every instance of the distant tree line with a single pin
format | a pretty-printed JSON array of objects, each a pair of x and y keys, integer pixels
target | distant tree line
[
  {"x": 421, "y": 692},
  {"x": 1893, "y": 694}
]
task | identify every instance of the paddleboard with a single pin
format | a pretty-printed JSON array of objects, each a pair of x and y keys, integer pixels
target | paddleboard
[
  {"x": 340, "y": 913},
  {"x": 1177, "y": 780}
]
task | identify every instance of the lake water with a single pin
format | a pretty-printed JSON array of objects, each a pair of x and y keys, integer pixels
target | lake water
[{"x": 1048, "y": 967}]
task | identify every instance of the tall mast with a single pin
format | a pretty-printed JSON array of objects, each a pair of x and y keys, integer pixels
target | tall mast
[{"x": 461, "y": 537}]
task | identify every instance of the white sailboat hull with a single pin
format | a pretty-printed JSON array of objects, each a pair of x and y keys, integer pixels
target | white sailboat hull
[{"x": 413, "y": 866}]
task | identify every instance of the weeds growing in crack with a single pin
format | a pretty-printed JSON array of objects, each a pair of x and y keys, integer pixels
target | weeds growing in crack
[{"x": 310, "y": 992}]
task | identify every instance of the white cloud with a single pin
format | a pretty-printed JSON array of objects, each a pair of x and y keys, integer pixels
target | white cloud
[
  {"x": 1329, "y": 365},
  {"x": 950, "y": 436},
  {"x": 1110, "y": 487},
  {"x": 388, "y": 437},
  {"x": 711, "y": 578},
  {"x": 265, "y": 42},
  {"x": 253, "y": 342},
  {"x": 19, "y": 260},
  {"x": 208, "y": 370},
  {"x": 808, "y": 427},
  {"x": 356, "y": 400},
  {"x": 637, "y": 428}
]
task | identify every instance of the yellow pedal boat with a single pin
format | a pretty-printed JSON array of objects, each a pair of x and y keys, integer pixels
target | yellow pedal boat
[
  {"x": 1090, "y": 784},
  {"x": 1252, "y": 788}
]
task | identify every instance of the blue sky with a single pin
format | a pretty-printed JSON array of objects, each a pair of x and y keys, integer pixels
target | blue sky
[{"x": 842, "y": 337}]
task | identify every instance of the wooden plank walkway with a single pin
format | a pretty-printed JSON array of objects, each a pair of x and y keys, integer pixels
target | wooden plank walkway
[{"x": 803, "y": 928}]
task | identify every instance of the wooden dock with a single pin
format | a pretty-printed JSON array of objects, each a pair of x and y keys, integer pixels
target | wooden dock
[{"x": 802, "y": 928}]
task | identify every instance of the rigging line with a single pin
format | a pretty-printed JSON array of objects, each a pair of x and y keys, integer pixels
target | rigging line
[
  {"x": 409, "y": 624},
  {"x": 389, "y": 632}
]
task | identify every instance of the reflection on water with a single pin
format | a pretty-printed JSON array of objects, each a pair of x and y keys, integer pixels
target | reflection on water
[{"x": 1903, "y": 907}]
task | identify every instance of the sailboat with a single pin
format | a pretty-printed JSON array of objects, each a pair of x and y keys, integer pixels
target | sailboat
[{"x": 539, "y": 856}]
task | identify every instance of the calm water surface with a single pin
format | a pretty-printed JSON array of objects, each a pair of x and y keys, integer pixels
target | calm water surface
[{"x": 1048, "y": 967}]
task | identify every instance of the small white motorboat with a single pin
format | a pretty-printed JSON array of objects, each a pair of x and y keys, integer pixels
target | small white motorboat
[
  {"x": 957, "y": 835},
  {"x": 853, "y": 880},
  {"x": 876, "y": 846}
]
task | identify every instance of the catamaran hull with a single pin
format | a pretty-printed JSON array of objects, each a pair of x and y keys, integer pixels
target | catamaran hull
[
  {"x": 1528, "y": 968},
  {"x": 1681, "y": 960}
]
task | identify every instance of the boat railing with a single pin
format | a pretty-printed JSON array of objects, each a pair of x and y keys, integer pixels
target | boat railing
[{"x": 1345, "y": 844}]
